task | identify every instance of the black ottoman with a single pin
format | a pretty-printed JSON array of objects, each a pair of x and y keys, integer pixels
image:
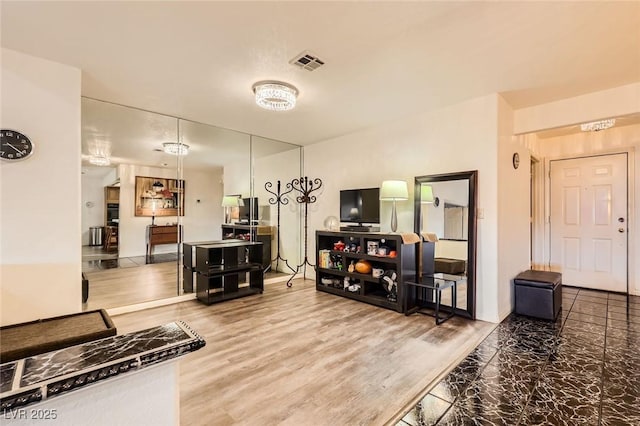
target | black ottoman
[{"x": 538, "y": 294}]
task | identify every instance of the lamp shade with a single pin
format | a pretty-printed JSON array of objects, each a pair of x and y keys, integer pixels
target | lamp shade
[
  {"x": 229, "y": 201},
  {"x": 426, "y": 194},
  {"x": 394, "y": 190}
]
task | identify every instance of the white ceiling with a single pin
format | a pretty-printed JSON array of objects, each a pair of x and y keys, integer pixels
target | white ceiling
[{"x": 384, "y": 60}]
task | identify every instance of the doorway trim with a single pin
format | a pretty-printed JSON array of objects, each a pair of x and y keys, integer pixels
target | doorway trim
[{"x": 632, "y": 286}]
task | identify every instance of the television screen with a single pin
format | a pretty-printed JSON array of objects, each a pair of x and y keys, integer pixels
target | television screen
[
  {"x": 360, "y": 205},
  {"x": 245, "y": 210}
]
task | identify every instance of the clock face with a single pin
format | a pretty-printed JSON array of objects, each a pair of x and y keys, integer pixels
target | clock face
[{"x": 14, "y": 145}]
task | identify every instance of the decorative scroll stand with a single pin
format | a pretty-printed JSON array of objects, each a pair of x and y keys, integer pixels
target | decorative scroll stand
[
  {"x": 279, "y": 200},
  {"x": 305, "y": 187}
]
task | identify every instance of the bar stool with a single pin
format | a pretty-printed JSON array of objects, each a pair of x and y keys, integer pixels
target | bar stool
[{"x": 111, "y": 239}]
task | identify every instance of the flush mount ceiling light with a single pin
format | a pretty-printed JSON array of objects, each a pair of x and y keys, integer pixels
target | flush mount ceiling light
[
  {"x": 99, "y": 160},
  {"x": 175, "y": 148},
  {"x": 596, "y": 126},
  {"x": 275, "y": 95}
]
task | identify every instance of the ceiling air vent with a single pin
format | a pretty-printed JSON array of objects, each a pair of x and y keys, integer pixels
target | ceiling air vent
[{"x": 307, "y": 61}]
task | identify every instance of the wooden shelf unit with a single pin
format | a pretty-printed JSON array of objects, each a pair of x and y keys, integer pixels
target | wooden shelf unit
[
  {"x": 258, "y": 233},
  {"x": 224, "y": 270},
  {"x": 371, "y": 289}
]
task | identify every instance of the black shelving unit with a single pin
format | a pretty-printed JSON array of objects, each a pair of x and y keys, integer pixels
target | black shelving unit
[
  {"x": 372, "y": 290},
  {"x": 226, "y": 270},
  {"x": 189, "y": 264},
  {"x": 258, "y": 233}
]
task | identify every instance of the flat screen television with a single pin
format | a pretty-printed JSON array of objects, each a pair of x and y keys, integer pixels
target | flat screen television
[
  {"x": 245, "y": 210},
  {"x": 360, "y": 205}
]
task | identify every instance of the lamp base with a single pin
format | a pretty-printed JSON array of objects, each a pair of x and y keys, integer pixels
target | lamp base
[{"x": 394, "y": 218}]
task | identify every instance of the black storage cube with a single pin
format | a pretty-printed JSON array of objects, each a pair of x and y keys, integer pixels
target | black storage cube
[{"x": 538, "y": 294}]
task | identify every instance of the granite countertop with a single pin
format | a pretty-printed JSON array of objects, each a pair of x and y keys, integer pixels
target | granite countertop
[{"x": 47, "y": 375}]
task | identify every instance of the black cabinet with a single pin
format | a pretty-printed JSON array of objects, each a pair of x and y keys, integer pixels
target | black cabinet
[
  {"x": 223, "y": 270},
  {"x": 386, "y": 254},
  {"x": 258, "y": 233}
]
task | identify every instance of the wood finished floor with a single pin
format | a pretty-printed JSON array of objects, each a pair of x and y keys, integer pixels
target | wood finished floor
[
  {"x": 295, "y": 356},
  {"x": 126, "y": 283},
  {"x": 110, "y": 288}
]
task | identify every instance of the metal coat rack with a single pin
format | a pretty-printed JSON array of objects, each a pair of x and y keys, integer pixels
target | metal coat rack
[
  {"x": 305, "y": 187},
  {"x": 279, "y": 199}
]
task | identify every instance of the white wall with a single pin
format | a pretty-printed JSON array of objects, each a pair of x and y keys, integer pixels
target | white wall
[
  {"x": 457, "y": 138},
  {"x": 40, "y": 235},
  {"x": 452, "y": 249},
  {"x": 616, "y": 139},
  {"x": 513, "y": 209},
  {"x": 455, "y": 192},
  {"x": 201, "y": 220},
  {"x": 147, "y": 397},
  {"x": 93, "y": 193},
  {"x": 614, "y": 102}
]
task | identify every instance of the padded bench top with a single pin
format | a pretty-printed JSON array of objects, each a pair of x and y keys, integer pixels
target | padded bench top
[
  {"x": 449, "y": 266},
  {"x": 45, "y": 335},
  {"x": 539, "y": 278}
]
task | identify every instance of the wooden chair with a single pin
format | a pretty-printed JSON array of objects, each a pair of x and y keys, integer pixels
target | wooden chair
[{"x": 111, "y": 239}]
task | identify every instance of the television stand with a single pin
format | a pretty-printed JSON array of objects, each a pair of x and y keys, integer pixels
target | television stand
[{"x": 360, "y": 228}]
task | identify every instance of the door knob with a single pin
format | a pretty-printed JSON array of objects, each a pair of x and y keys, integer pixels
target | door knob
[
  {"x": 621, "y": 219},
  {"x": 621, "y": 230}
]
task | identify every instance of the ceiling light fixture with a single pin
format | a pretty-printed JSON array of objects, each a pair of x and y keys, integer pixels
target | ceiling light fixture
[
  {"x": 99, "y": 160},
  {"x": 596, "y": 126},
  {"x": 175, "y": 148},
  {"x": 275, "y": 95}
]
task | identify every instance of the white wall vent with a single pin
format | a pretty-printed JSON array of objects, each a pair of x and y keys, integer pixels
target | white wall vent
[{"x": 307, "y": 61}]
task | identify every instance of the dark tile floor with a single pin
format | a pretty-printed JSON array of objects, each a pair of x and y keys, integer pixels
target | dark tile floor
[{"x": 582, "y": 369}]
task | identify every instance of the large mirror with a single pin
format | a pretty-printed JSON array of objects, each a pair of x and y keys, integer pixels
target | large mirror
[
  {"x": 445, "y": 206},
  {"x": 184, "y": 196}
]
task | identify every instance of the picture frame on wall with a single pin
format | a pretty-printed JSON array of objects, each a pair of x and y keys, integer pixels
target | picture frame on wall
[{"x": 159, "y": 196}]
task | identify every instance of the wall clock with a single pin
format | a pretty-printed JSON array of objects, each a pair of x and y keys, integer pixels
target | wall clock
[
  {"x": 14, "y": 145},
  {"x": 516, "y": 160}
]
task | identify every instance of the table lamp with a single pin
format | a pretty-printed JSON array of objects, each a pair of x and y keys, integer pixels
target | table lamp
[
  {"x": 229, "y": 201},
  {"x": 394, "y": 190}
]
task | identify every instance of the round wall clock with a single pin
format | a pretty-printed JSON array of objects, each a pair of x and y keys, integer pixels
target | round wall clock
[
  {"x": 14, "y": 145},
  {"x": 516, "y": 160}
]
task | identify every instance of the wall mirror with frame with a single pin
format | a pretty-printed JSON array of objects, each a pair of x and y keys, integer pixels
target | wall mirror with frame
[{"x": 445, "y": 206}]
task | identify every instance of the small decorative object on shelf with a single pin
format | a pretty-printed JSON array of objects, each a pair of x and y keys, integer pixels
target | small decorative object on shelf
[
  {"x": 363, "y": 266},
  {"x": 331, "y": 223},
  {"x": 391, "y": 285}
]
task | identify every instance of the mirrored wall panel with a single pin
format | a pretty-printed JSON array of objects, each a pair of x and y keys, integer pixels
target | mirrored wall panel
[{"x": 152, "y": 182}]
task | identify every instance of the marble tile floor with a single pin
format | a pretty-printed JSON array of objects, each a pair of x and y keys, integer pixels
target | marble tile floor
[{"x": 582, "y": 369}]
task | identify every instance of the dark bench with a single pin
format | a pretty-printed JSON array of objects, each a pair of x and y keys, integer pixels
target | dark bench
[
  {"x": 450, "y": 266},
  {"x": 32, "y": 338},
  {"x": 538, "y": 294}
]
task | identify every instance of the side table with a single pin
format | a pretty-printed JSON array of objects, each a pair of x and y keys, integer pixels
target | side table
[{"x": 420, "y": 294}]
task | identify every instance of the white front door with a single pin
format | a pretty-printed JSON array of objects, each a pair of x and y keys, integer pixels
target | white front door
[{"x": 588, "y": 221}]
